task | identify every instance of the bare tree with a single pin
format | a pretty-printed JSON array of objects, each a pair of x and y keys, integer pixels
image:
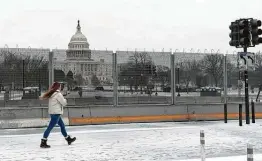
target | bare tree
[
  {"x": 189, "y": 71},
  {"x": 11, "y": 71},
  {"x": 33, "y": 68},
  {"x": 137, "y": 64},
  {"x": 256, "y": 76},
  {"x": 258, "y": 59},
  {"x": 213, "y": 66},
  {"x": 141, "y": 58},
  {"x": 163, "y": 75}
]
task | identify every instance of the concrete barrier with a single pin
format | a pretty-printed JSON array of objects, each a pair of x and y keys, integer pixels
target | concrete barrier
[
  {"x": 84, "y": 115},
  {"x": 22, "y": 117},
  {"x": 25, "y": 103},
  {"x": 27, "y": 123},
  {"x": 21, "y": 113},
  {"x": 208, "y": 99},
  {"x": 216, "y": 111},
  {"x": 126, "y": 114},
  {"x": 122, "y": 101},
  {"x": 156, "y": 113}
]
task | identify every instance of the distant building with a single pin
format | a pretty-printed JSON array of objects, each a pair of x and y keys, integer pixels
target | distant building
[{"x": 78, "y": 60}]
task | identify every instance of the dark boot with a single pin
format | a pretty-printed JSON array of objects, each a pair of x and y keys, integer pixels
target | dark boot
[
  {"x": 44, "y": 144},
  {"x": 70, "y": 140}
]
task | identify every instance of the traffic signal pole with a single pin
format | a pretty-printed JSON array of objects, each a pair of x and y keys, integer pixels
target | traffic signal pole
[
  {"x": 239, "y": 77},
  {"x": 245, "y": 33},
  {"x": 246, "y": 93}
]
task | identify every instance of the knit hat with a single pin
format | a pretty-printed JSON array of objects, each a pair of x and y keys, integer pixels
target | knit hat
[{"x": 55, "y": 86}]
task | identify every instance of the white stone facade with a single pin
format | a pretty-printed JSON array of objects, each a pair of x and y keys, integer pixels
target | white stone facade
[{"x": 78, "y": 59}]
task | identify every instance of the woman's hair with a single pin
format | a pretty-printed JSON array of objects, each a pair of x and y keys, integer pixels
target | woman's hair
[{"x": 52, "y": 90}]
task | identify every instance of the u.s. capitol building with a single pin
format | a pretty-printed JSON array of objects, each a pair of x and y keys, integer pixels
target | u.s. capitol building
[{"x": 78, "y": 59}]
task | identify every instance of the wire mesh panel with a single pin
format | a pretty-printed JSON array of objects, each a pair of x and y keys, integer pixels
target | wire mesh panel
[
  {"x": 255, "y": 78},
  {"x": 236, "y": 79},
  {"x": 86, "y": 75},
  {"x": 233, "y": 76},
  {"x": 143, "y": 77},
  {"x": 23, "y": 75},
  {"x": 198, "y": 75}
]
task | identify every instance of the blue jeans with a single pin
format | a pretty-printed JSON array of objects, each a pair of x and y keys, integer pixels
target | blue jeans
[{"x": 55, "y": 119}]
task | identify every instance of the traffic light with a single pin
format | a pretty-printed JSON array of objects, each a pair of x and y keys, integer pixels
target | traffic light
[
  {"x": 244, "y": 34},
  {"x": 234, "y": 34},
  {"x": 255, "y": 24}
]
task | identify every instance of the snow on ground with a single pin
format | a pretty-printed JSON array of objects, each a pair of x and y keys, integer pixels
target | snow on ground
[
  {"x": 233, "y": 158},
  {"x": 170, "y": 141}
]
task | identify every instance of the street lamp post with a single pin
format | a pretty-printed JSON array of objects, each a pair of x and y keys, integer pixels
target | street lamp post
[
  {"x": 178, "y": 80},
  {"x": 124, "y": 85}
]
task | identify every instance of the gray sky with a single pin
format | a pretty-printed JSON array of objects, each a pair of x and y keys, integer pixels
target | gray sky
[{"x": 112, "y": 24}]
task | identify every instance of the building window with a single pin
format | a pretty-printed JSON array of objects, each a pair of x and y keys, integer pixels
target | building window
[{"x": 85, "y": 67}]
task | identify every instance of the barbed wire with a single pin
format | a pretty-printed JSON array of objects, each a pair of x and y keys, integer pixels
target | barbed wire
[{"x": 171, "y": 50}]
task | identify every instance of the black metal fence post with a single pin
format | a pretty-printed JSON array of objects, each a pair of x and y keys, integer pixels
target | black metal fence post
[
  {"x": 240, "y": 115},
  {"x": 253, "y": 111},
  {"x": 225, "y": 113}
]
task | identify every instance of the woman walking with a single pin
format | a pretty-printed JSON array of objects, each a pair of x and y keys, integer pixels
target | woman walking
[{"x": 56, "y": 102}]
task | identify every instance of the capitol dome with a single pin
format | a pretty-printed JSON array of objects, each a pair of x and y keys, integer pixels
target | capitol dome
[
  {"x": 78, "y": 47},
  {"x": 78, "y": 39}
]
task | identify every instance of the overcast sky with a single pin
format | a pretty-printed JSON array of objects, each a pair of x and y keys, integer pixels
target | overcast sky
[{"x": 112, "y": 24}]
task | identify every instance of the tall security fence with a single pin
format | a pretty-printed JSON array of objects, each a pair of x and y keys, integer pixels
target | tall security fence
[
  {"x": 104, "y": 77},
  {"x": 21, "y": 73}
]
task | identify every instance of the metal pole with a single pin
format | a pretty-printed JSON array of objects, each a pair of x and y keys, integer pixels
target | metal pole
[
  {"x": 240, "y": 114},
  {"x": 39, "y": 81},
  {"x": 23, "y": 73},
  {"x": 225, "y": 112},
  {"x": 253, "y": 111},
  {"x": 202, "y": 142},
  {"x": 246, "y": 94},
  {"x": 51, "y": 68},
  {"x": 178, "y": 81},
  {"x": 115, "y": 79},
  {"x": 225, "y": 87},
  {"x": 239, "y": 77},
  {"x": 250, "y": 152},
  {"x": 225, "y": 78},
  {"x": 173, "y": 87}
]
